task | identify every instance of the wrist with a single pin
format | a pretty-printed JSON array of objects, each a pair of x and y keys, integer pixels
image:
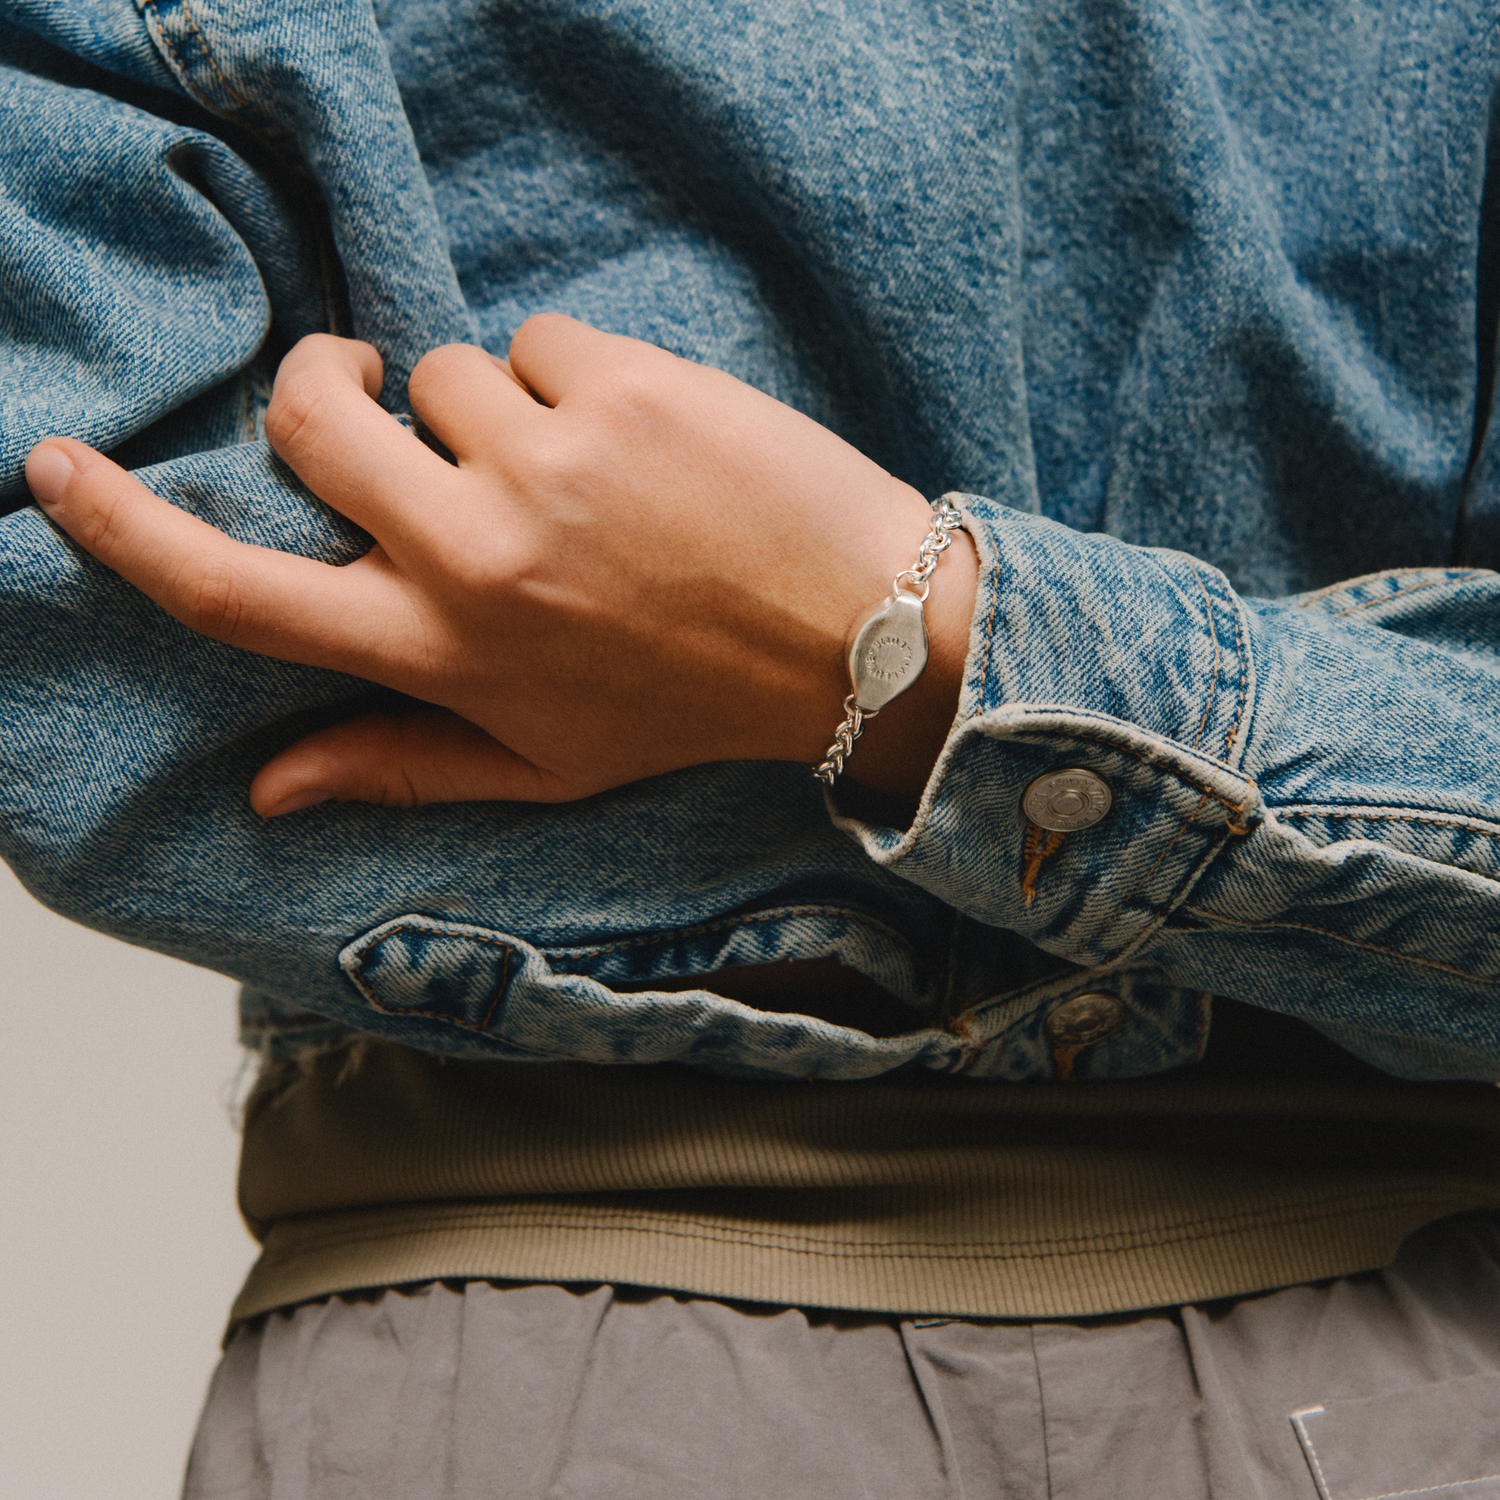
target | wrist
[{"x": 898, "y": 749}]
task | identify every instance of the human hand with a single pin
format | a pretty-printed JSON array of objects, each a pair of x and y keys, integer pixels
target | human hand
[{"x": 638, "y": 564}]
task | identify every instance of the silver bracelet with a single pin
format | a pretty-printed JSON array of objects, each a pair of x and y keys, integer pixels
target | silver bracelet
[{"x": 890, "y": 648}]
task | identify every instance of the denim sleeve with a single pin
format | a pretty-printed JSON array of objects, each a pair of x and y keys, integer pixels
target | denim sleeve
[{"x": 1305, "y": 792}]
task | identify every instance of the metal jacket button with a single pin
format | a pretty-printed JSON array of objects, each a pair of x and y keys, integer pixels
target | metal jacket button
[
  {"x": 1085, "y": 1019},
  {"x": 1066, "y": 800}
]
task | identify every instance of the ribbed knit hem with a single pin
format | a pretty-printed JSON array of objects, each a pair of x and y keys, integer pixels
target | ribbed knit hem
[
  {"x": 926, "y": 1196},
  {"x": 845, "y": 1265}
]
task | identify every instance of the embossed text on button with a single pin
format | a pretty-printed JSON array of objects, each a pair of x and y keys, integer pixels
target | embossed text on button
[{"x": 1063, "y": 801}]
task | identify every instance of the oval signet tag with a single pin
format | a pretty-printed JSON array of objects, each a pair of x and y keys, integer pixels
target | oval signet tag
[{"x": 889, "y": 652}]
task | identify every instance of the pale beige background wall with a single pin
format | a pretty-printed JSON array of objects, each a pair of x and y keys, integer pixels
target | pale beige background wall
[{"x": 120, "y": 1248}]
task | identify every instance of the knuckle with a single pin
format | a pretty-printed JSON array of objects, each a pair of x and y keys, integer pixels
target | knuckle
[
  {"x": 635, "y": 389},
  {"x": 441, "y": 368},
  {"x": 100, "y": 525},
  {"x": 293, "y": 405},
  {"x": 370, "y": 759},
  {"x": 318, "y": 346},
  {"x": 554, "y": 463},
  {"x": 472, "y": 574},
  {"x": 400, "y": 789},
  {"x": 408, "y": 772},
  {"x": 212, "y": 601},
  {"x": 540, "y": 327},
  {"x": 446, "y": 359}
]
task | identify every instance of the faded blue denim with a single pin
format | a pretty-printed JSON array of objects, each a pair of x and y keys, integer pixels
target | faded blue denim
[{"x": 1215, "y": 278}]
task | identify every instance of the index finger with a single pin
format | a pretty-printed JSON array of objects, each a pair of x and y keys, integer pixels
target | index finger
[
  {"x": 351, "y": 453},
  {"x": 278, "y": 604}
]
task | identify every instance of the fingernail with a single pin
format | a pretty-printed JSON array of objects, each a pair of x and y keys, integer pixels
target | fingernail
[
  {"x": 296, "y": 801},
  {"x": 48, "y": 470}
]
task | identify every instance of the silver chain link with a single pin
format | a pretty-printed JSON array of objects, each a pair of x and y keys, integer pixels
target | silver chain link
[
  {"x": 946, "y": 519},
  {"x": 843, "y": 741}
]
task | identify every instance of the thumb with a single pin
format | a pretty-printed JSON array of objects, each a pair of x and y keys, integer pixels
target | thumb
[{"x": 396, "y": 760}]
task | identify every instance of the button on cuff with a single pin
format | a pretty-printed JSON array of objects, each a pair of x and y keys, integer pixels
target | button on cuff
[
  {"x": 1067, "y": 800},
  {"x": 1085, "y": 1019}
]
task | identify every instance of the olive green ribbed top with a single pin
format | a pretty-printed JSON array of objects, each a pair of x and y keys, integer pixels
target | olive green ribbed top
[{"x": 379, "y": 1165}]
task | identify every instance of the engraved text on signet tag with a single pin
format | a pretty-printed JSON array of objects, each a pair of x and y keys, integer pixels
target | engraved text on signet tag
[{"x": 889, "y": 652}]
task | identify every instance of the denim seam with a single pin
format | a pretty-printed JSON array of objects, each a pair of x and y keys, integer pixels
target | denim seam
[
  {"x": 251, "y": 114},
  {"x": 1017, "y": 728},
  {"x": 1189, "y": 877},
  {"x": 368, "y": 992},
  {"x": 1355, "y": 585},
  {"x": 1242, "y": 651},
  {"x": 213, "y": 62},
  {"x": 1182, "y": 776},
  {"x": 1348, "y": 585},
  {"x": 1213, "y": 635},
  {"x": 1457, "y": 822},
  {"x": 989, "y": 684},
  {"x": 1179, "y": 894},
  {"x": 1034, "y": 854},
  {"x": 721, "y": 924},
  {"x": 1107, "y": 973},
  {"x": 1029, "y": 998},
  {"x": 245, "y": 110},
  {"x": 1230, "y": 734},
  {"x": 180, "y": 66},
  {"x": 1413, "y": 588},
  {"x": 1339, "y": 937},
  {"x": 1113, "y": 917},
  {"x": 357, "y": 977}
]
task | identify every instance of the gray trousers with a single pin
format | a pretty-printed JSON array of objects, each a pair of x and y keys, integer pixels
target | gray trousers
[{"x": 1382, "y": 1384}]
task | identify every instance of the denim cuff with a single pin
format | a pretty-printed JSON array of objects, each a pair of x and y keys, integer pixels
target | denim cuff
[{"x": 1134, "y": 664}]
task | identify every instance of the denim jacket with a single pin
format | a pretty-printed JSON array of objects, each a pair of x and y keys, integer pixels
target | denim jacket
[{"x": 1202, "y": 297}]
